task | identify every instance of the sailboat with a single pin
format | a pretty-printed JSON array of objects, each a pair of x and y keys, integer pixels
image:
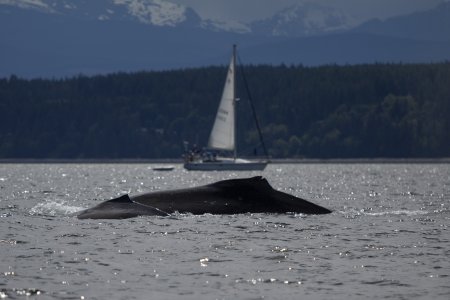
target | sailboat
[{"x": 223, "y": 135}]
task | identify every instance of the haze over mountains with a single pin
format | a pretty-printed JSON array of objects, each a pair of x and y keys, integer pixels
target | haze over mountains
[{"x": 47, "y": 38}]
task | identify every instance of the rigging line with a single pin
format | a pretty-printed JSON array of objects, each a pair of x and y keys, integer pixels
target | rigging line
[{"x": 250, "y": 100}]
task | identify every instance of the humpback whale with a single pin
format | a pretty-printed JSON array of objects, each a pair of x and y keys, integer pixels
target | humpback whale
[{"x": 233, "y": 196}]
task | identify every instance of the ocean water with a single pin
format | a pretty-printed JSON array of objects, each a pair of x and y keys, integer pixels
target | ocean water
[{"x": 388, "y": 237}]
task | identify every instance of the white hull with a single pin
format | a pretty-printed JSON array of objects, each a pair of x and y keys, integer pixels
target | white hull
[{"x": 226, "y": 165}]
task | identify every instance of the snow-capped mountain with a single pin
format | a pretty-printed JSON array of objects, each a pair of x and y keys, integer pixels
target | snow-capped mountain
[
  {"x": 226, "y": 26},
  {"x": 152, "y": 12},
  {"x": 67, "y": 37},
  {"x": 29, "y": 4},
  {"x": 304, "y": 19},
  {"x": 300, "y": 20},
  {"x": 159, "y": 12}
]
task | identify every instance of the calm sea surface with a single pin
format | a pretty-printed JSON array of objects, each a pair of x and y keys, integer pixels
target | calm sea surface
[{"x": 388, "y": 237}]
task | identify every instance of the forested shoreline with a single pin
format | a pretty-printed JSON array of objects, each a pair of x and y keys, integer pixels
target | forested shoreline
[{"x": 362, "y": 111}]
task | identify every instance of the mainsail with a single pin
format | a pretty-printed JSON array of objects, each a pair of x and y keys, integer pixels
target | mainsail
[{"x": 223, "y": 132}]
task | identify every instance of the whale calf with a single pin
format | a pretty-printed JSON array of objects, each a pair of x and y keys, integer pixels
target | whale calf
[{"x": 233, "y": 196}]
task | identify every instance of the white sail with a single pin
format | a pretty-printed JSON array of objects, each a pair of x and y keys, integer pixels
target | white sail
[{"x": 223, "y": 132}]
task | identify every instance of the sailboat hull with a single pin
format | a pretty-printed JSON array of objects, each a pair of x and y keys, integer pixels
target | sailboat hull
[{"x": 225, "y": 165}]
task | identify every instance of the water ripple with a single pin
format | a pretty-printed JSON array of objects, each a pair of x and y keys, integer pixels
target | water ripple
[{"x": 387, "y": 237}]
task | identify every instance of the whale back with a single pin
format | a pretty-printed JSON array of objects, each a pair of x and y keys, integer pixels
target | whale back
[
  {"x": 232, "y": 196},
  {"x": 259, "y": 196},
  {"x": 258, "y": 183}
]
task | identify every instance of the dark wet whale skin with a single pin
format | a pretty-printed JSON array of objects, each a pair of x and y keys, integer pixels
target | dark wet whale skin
[{"x": 233, "y": 196}]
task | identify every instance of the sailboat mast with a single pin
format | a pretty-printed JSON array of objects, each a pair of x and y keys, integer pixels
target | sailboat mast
[{"x": 234, "y": 100}]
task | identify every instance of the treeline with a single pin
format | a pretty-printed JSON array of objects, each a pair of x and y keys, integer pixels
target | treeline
[{"x": 381, "y": 110}]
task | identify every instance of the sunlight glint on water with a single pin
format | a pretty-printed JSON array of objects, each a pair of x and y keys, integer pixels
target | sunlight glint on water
[{"x": 387, "y": 237}]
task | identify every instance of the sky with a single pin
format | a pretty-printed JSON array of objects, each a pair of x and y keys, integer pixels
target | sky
[{"x": 248, "y": 10}]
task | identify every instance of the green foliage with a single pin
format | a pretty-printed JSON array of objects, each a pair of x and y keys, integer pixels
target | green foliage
[{"x": 381, "y": 110}]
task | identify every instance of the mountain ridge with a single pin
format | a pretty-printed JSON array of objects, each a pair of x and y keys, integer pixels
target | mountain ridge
[
  {"x": 304, "y": 19},
  {"x": 430, "y": 25},
  {"x": 49, "y": 43}
]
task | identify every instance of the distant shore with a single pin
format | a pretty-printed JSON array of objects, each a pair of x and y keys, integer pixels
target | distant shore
[{"x": 445, "y": 160}]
